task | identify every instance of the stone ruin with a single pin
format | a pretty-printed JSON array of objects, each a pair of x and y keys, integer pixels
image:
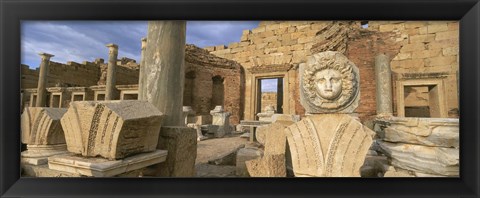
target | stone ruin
[
  {"x": 42, "y": 133},
  {"x": 414, "y": 65},
  {"x": 329, "y": 142}
]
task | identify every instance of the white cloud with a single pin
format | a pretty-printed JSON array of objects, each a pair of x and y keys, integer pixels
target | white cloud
[{"x": 85, "y": 40}]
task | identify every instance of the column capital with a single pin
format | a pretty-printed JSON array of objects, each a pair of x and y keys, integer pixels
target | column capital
[
  {"x": 45, "y": 55},
  {"x": 112, "y": 45}
]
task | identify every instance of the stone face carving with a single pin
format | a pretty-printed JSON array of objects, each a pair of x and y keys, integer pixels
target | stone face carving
[
  {"x": 331, "y": 145},
  {"x": 221, "y": 119},
  {"x": 41, "y": 126},
  {"x": 329, "y": 142},
  {"x": 329, "y": 83},
  {"x": 111, "y": 129}
]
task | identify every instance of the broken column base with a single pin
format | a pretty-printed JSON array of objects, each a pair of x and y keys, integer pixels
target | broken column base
[
  {"x": 181, "y": 144},
  {"x": 38, "y": 154},
  {"x": 101, "y": 167}
]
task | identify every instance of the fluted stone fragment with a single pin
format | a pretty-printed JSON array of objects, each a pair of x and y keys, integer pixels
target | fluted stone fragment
[
  {"x": 41, "y": 126},
  {"x": 330, "y": 145},
  {"x": 111, "y": 129}
]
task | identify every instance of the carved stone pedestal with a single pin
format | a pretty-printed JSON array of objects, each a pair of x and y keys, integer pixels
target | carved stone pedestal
[{"x": 38, "y": 154}]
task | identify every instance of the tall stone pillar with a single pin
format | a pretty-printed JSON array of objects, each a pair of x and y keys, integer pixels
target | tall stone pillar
[
  {"x": 163, "y": 74},
  {"x": 111, "y": 71},
  {"x": 383, "y": 76},
  {"x": 42, "y": 80},
  {"x": 141, "y": 81}
]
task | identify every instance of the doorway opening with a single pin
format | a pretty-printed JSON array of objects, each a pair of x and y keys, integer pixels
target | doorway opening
[{"x": 270, "y": 93}]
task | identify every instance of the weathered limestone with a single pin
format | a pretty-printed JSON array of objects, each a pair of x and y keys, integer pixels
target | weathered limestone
[
  {"x": 267, "y": 114},
  {"x": 330, "y": 145},
  {"x": 221, "y": 119},
  {"x": 101, "y": 167},
  {"x": 383, "y": 79},
  {"x": 43, "y": 134},
  {"x": 423, "y": 159},
  {"x": 273, "y": 162},
  {"x": 181, "y": 144},
  {"x": 439, "y": 132},
  {"x": 42, "y": 80},
  {"x": 329, "y": 142},
  {"x": 329, "y": 84},
  {"x": 163, "y": 77},
  {"x": 111, "y": 71},
  {"x": 41, "y": 126},
  {"x": 424, "y": 146},
  {"x": 111, "y": 129},
  {"x": 243, "y": 155}
]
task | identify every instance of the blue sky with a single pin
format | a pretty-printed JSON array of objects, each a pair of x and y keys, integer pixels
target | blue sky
[{"x": 85, "y": 40}]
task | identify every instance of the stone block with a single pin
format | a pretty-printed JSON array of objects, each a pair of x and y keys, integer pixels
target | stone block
[
  {"x": 450, "y": 51},
  {"x": 413, "y": 47},
  {"x": 41, "y": 126},
  {"x": 439, "y": 61},
  {"x": 403, "y": 56},
  {"x": 409, "y": 63},
  {"x": 243, "y": 155},
  {"x": 437, "y": 28},
  {"x": 267, "y": 166},
  {"x": 422, "y": 38},
  {"x": 111, "y": 129},
  {"x": 424, "y": 159},
  {"x": 426, "y": 53},
  {"x": 181, "y": 144},
  {"x": 447, "y": 35},
  {"x": 440, "y": 132},
  {"x": 101, "y": 167}
]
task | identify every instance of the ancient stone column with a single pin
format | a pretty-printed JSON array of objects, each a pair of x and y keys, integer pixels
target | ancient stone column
[
  {"x": 111, "y": 71},
  {"x": 164, "y": 71},
  {"x": 141, "y": 81},
  {"x": 42, "y": 80},
  {"x": 383, "y": 77}
]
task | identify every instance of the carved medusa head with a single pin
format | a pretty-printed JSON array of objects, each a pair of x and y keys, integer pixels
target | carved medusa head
[{"x": 330, "y": 83}]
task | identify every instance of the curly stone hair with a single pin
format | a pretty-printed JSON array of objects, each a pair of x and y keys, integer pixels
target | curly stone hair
[{"x": 335, "y": 61}]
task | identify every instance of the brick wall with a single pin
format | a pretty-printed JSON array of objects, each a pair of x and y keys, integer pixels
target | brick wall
[{"x": 201, "y": 68}]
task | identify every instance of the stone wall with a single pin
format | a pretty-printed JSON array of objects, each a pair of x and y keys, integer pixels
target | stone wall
[
  {"x": 74, "y": 74},
  {"x": 414, "y": 47},
  {"x": 269, "y": 98},
  {"x": 426, "y": 47},
  {"x": 211, "y": 81}
]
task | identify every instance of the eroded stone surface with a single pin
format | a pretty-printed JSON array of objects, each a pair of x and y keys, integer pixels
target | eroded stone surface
[
  {"x": 330, "y": 145},
  {"x": 181, "y": 143},
  {"x": 41, "y": 126},
  {"x": 441, "y": 132},
  {"x": 424, "y": 159},
  {"x": 111, "y": 129},
  {"x": 243, "y": 155}
]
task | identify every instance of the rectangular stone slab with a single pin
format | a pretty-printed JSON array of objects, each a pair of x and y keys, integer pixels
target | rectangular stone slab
[{"x": 101, "y": 167}]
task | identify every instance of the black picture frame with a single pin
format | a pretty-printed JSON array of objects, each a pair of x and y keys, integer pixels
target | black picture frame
[{"x": 13, "y": 12}]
